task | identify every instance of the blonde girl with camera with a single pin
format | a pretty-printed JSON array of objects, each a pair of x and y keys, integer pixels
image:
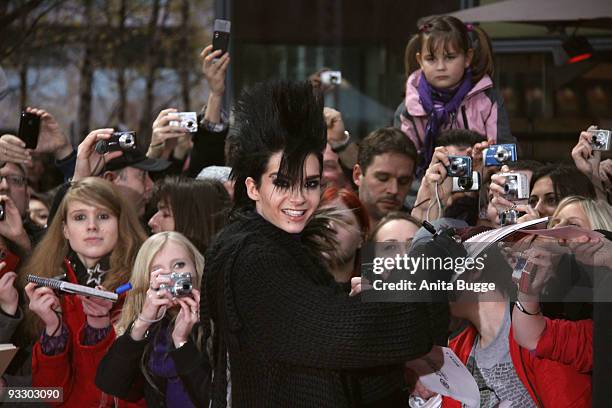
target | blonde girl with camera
[{"x": 160, "y": 355}]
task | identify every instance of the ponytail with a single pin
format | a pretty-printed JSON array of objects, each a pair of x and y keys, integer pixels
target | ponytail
[
  {"x": 482, "y": 61},
  {"x": 445, "y": 29},
  {"x": 410, "y": 61}
]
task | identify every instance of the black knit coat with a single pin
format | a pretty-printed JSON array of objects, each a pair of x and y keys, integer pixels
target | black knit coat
[{"x": 293, "y": 337}]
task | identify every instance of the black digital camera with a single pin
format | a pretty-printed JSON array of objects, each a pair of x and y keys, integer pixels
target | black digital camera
[{"x": 118, "y": 141}]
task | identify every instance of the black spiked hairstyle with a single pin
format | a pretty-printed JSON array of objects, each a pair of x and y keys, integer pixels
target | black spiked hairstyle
[{"x": 271, "y": 117}]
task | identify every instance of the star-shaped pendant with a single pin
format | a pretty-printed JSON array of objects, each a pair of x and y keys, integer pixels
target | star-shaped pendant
[{"x": 95, "y": 275}]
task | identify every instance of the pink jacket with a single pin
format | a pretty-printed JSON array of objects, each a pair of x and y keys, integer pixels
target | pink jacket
[{"x": 482, "y": 111}]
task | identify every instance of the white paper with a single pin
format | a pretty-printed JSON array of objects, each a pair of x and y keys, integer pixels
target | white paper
[{"x": 451, "y": 379}]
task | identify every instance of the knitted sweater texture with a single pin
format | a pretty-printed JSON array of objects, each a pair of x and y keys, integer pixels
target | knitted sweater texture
[{"x": 293, "y": 337}]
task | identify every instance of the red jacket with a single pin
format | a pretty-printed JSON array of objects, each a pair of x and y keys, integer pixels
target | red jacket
[
  {"x": 557, "y": 385},
  {"x": 75, "y": 368},
  {"x": 568, "y": 342}
]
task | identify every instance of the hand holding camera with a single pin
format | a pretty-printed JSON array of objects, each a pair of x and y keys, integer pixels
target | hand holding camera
[
  {"x": 13, "y": 150},
  {"x": 585, "y": 156},
  {"x": 167, "y": 128},
  {"x": 437, "y": 176},
  {"x": 89, "y": 162},
  {"x": 435, "y": 187},
  {"x": 45, "y": 136},
  {"x": 478, "y": 156},
  {"x": 214, "y": 68},
  {"x": 510, "y": 192},
  {"x": 188, "y": 316}
]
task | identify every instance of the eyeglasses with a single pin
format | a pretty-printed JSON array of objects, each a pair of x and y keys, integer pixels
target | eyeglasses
[{"x": 13, "y": 180}]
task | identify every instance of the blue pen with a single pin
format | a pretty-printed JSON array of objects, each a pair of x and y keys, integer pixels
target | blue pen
[{"x": 123, "y": 288}]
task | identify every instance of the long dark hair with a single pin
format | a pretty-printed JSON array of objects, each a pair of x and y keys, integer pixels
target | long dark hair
[
  {"x": 199, "y": 207},
  {"x": 272, "y": 117},
  {"x": 566, "y": 179}
]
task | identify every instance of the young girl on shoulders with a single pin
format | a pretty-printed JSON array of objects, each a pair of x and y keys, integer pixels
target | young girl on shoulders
[{"x": 449, "y": 66}]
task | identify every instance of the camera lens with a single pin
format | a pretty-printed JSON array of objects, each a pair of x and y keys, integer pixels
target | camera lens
[
  {"x": 502, "y": 154},
  {"x": 465, "y": 183}
]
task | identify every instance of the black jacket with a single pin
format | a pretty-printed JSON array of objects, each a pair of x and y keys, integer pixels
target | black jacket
[
  {"x": 294, "y": 338},
  {"x": 119, "y": 373}
]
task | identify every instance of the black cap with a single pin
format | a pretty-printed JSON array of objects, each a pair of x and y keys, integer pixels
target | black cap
[{"x": 138, "y": 160}]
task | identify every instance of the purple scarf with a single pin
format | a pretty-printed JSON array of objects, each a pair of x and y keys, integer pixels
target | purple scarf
[
  {"x": 440, "y": 105},
  {"x": 162, "y": 365}
]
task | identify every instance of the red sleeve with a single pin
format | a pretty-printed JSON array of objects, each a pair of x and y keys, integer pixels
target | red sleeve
[
  {"x": 568, "y": 342},
  {"x": 52, "y": 371}
]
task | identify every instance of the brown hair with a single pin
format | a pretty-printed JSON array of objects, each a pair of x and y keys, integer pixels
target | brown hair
[
  {"x": 47, "y": 260},
  {"x": 199, "y": 207},
  {"x": 384, "y": 140},
  {"x": 445, "y": 31},
  {"x": 393, "y": 216}
]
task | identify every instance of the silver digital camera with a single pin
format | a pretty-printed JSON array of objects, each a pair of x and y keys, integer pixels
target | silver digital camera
[
  {"x": 516, "y": 187},
  {"x": 331, "y": 77},
  {"x": 188, "y": 120},
  {"x": 468, "y": 183},
  {"x": 460, "y": 166},
  {"x": 600, "y": 139},
  {"x": 180, "y": 285},
  {"x": 510, "y": 217},
  {"x": 496, "y": 155}
]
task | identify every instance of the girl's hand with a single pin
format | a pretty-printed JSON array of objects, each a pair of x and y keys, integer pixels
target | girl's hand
[
  {"x": 163, "y": 132},
  {"x": 156, "y": 297},
  {"x": 214, "y": 67},
  {"x": 97, "y": 311},
  {"x": 188, "y": 316},
  {"x": 9, "y": 298},
  {"x": 44, "y": 303}
]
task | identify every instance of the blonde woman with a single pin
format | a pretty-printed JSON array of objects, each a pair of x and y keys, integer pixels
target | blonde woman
[
  {"x": 161, "y": 354},
  {"x": 569, "y": 342},
  {"x": 582, "y": 212},
  {"x": 93, "y": 241}
]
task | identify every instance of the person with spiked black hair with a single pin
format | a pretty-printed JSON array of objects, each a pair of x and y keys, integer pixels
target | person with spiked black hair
[{"x": 285, "y": 334}]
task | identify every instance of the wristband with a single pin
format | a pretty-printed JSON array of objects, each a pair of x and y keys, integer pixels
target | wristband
[
  {"x": 520, "y": 307},
  {"x": 129, "y": 331},
  {"x": 342, "y": 145}
]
